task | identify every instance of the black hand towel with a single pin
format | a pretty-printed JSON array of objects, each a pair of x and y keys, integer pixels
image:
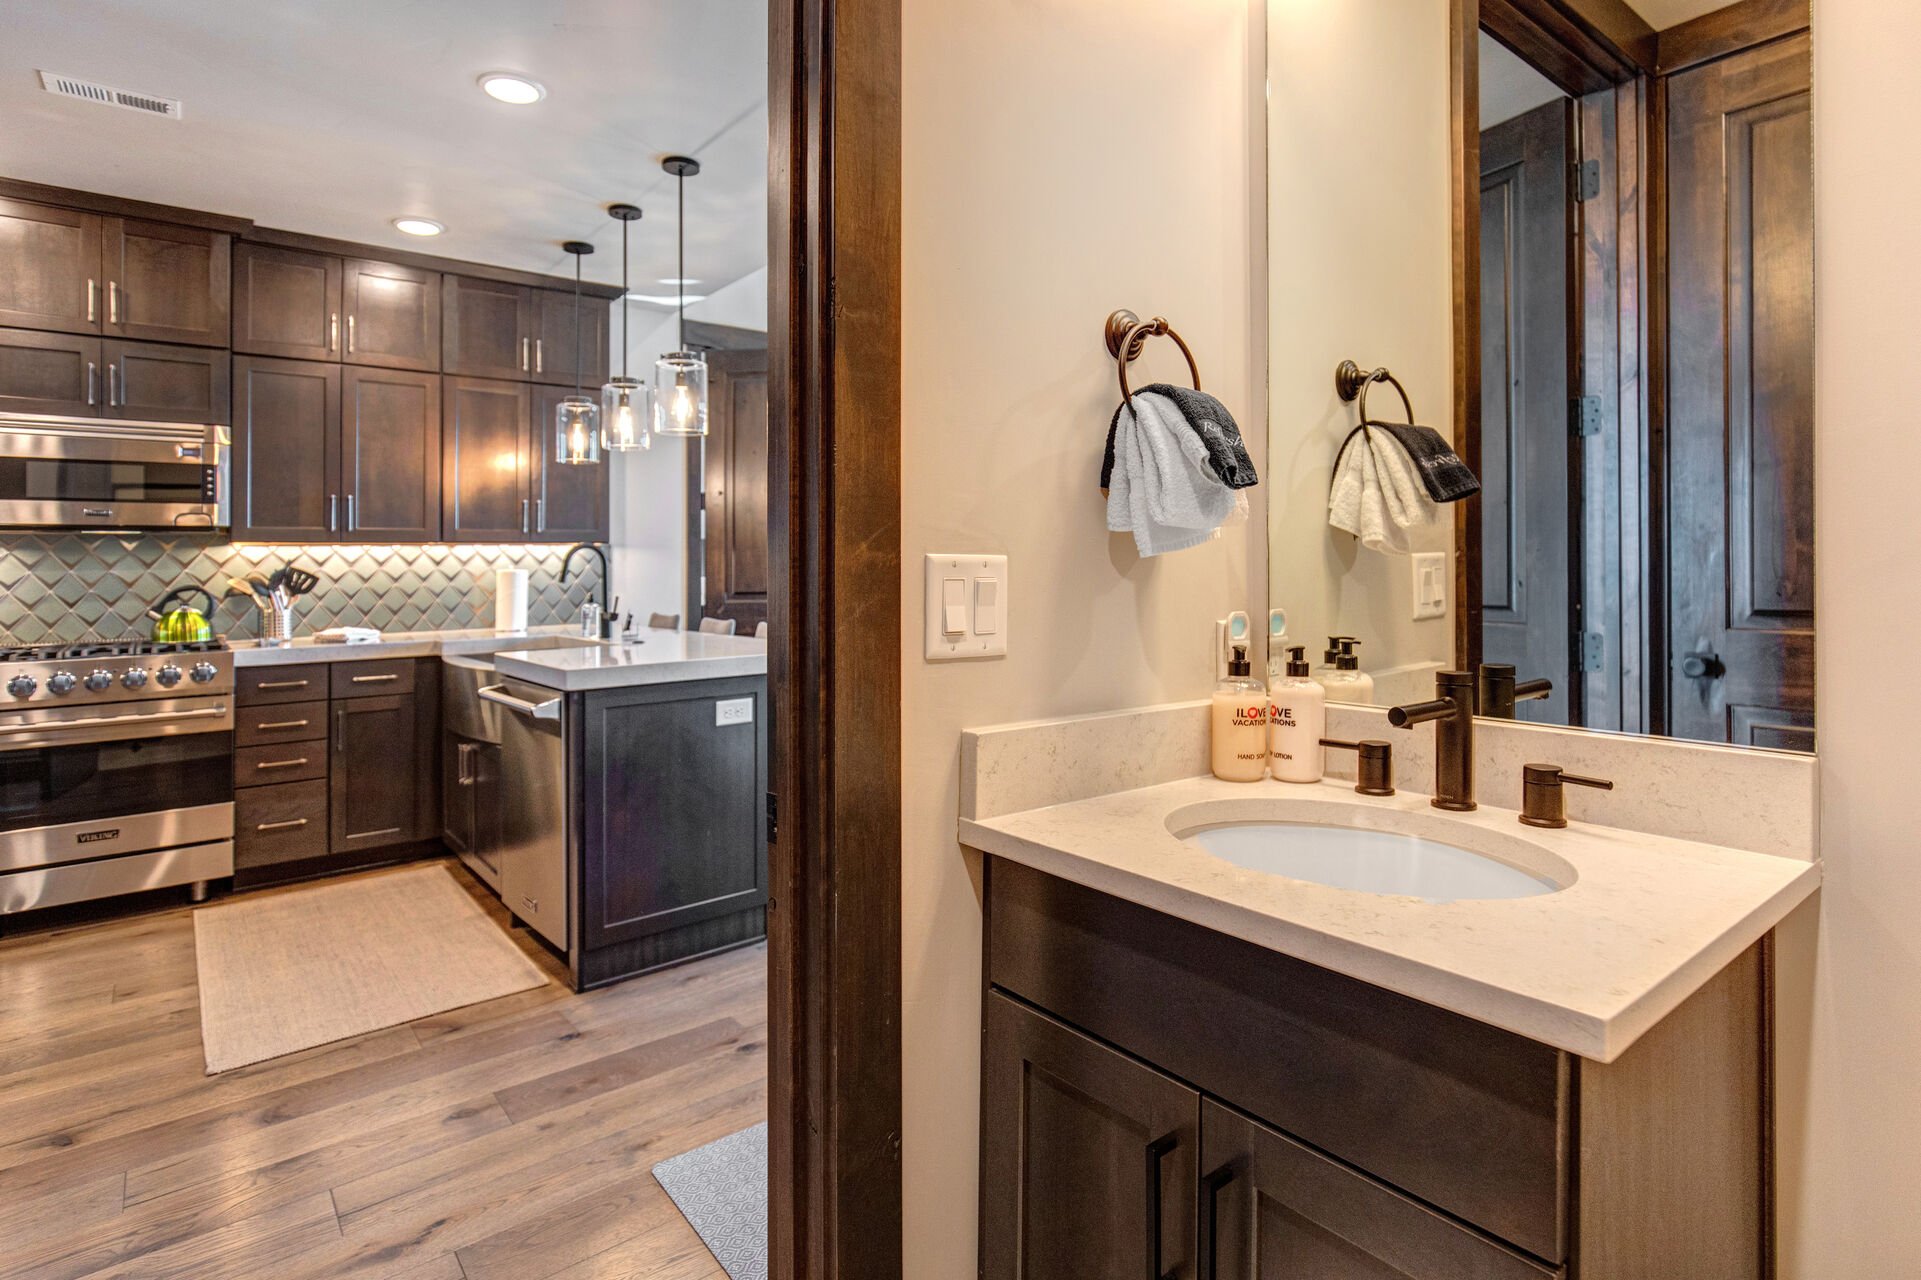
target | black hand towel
[
  {"x": 1226, "y": 452},
  {"x": 1447, "y": 478}
]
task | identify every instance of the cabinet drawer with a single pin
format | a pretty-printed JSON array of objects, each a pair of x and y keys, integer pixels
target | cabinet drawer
[
  {"x": 283, "y": 823},
  {"x": 373, "y": 679},
  {"x": 278, "y": 763},
  {"x": 260, "y": 686},
  {"x": 1469, "y": 1118},
  {"x": 259, "y": 726}
]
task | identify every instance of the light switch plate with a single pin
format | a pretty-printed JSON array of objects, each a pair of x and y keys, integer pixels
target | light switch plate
[
  {"x": 1430, "y": 584},
  {"x": 976, "y": 625}
]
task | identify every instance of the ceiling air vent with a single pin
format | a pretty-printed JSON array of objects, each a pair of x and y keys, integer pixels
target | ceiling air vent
[{"x": 107, "y": 95}]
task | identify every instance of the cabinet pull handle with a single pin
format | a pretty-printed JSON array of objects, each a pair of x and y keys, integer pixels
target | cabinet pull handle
[
  {"x": 1209, "y": 1250},
  {"x": 352, "y": 524},
  {"x": 113, "y": 302},
  {"x": 333, "y": 331},
  {"x": 540, "y": 359},
  {"x": 288, "y": 825},
  {"x": 113, "y": 371},
  {"x": 281, "y": 764},
  {"x": 1157, "y": 1152},
  {"x": 523, "y": 515},
  {"x": 540, "y": 515},
  {"x": 93, "y": 292},
  {"x": 340, "y": 728},
  {"x": 391, "y": 675},
  {"x": 93, "y": 378},
  {"x": 282, "y": 684},
  {"x": 523, "y": 355},
  {"x": 333, "y": 509},
  {"x": 462, "y": 752},
  {"x": 350, "y": 333},
  {"x": 269, "y": 726}
]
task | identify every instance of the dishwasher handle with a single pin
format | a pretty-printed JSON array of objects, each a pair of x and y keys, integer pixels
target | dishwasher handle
[{"x": 547, "y": 710}]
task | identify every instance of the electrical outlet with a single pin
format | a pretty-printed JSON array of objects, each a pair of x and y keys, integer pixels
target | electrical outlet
[
  {"x": 734, "y": 711},
  {"x": 1430, "y": 584}
]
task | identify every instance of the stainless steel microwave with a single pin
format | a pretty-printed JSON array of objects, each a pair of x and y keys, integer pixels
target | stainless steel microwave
[{"x": 91, "y": 473}]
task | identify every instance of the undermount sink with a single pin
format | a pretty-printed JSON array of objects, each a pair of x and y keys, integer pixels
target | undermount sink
[{"x": 1366, "y": 850}]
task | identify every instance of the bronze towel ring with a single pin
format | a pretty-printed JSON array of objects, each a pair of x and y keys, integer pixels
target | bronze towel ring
[
  {"x": 1350, "y": 380},
  {"x": 1127, "y": 333}
]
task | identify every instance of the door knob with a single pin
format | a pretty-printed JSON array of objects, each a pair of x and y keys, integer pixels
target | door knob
[{"x": 1700, "y": 666}]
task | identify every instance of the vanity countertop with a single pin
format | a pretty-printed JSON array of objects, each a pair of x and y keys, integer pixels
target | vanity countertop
[
  {"x": 395, "y": 644},
  {"x": 655, "y": 657},
  {"x": 1588, "y": 969}
]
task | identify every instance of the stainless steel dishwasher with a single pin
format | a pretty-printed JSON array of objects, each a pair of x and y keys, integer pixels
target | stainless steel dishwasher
[{"x": 533, "y": 806}]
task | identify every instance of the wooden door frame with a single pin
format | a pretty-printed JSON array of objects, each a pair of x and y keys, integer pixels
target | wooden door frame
[
  {"x": 834, "y": 653},
  {"x": 703, "y": 336}
]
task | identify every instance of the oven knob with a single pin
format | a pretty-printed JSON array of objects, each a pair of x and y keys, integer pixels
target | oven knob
[
  {"x": 168, "y": 675},
  {"x": 61, "y": 682},
  {"x": 98, "y": 680},
  {"x": 22, "y": 686},
  {"x": 203, "y": 672},
  {"x": 134, "y": 678}
]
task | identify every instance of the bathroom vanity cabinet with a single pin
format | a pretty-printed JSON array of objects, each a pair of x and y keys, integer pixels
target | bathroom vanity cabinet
[{"x": 1162, "y": 1100}]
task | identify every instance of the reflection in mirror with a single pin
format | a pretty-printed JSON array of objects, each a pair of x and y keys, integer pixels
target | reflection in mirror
[{"x": 1585, "y": 249}]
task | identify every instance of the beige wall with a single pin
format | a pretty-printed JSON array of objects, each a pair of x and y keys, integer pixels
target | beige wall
[
  {"x": 1850, "y": 1141},
  {"x": 1361, "y": 265},
  {"x": 1061, "y": 158}
]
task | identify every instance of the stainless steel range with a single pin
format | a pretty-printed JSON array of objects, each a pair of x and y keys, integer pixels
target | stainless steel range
[{"x": 116, "y": 770}]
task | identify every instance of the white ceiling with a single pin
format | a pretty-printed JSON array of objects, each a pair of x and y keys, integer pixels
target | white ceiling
[
  {"x": 334, "y": 116},
  {"x": 1662, "y": 14},
  {"x": 1509, "y": 86}
]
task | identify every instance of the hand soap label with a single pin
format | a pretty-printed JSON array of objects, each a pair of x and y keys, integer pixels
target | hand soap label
[
  {"x": 1239, "y": 735},
  {"x": 1296, "y": 725}
]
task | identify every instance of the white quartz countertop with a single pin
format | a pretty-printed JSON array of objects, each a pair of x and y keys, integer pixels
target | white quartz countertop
[
  {"x": 655, "y": 657},
  {"x": 401, "y": 644},
  {"x": 1645, "y": 922}
]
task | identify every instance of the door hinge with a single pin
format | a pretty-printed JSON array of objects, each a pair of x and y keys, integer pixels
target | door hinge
[
  {"x": 773, "y": 818},
  {"x": 1584, "y": 416},
  {"x": 1590, "y": 651},
  {"x": 1587, "y": 180}
]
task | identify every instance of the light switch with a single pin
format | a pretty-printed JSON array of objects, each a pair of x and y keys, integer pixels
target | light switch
[
  {"x": 965, "y": 606},
  {"x": 1430, "y": 584}
]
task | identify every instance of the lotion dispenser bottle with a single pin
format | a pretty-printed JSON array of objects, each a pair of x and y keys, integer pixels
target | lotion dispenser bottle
[
  {"x": 1349, "y": 683},
  {"x": 1238, "y": 730},
  {"x": 1297, "y": 721}
]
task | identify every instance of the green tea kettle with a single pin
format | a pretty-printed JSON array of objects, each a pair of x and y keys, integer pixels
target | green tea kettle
[{"x": 181, "y": 623}]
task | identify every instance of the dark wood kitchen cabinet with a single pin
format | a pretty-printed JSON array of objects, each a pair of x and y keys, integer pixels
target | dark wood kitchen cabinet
[
  {"x": 501, "y": 482},
  {"x": 372, "y": 796},
  {"x": 570, "y": 501},
  {"x": 49, "y": 268},
  {"x": 555, "y": 345},
  {"x": 166, "y": 283},
  {"x": 392, "y": 315},
  {"x": 390, "y": 455},
  {"x": 286, "y": 302},
  {"x": 152, "y": 382},
  {"x": 486, "y": 328},
  {"x": 53, "y": 373},
  {"x": 1345, "y": 1132},
  {"x": 286, "y": 450}
]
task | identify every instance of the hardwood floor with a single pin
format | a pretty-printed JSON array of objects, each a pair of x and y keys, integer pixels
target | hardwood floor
[{"x": 511, "y": 1140}]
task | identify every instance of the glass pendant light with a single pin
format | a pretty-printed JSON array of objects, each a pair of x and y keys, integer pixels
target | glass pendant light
[
  {"x": 680, "y": 377},
  {"x": 623, "y": 401},
  {"x": 577, "y": 417}
]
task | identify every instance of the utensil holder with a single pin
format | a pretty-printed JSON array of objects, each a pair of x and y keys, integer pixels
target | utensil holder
[{"x": 276, "y": 625}]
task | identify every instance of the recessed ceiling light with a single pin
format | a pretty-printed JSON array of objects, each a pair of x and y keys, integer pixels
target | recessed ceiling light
[
  {"x": 516, "y": 90},
  {"x": 676, "y": 280},
  {"x": 418, "y": 226},
  {"x": 664, "y": 299}
]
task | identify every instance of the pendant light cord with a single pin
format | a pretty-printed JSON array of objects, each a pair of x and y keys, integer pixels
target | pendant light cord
[
  {"x": 578, "y": 353},
  {"x": 624, "y": 304},
  {"x": 680, "y": 231}
]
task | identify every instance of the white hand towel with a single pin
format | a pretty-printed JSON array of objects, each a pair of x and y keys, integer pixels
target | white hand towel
[
  {"x": 1162, "y": 489},
  {"x": 1377, "y": 494}
]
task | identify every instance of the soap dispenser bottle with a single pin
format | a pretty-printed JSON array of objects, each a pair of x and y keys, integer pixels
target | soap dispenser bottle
[
  {"x": 1297, "y": 721},
  {"x": 1349, "y": 683},
  {"x": 1238, "y": 730}
]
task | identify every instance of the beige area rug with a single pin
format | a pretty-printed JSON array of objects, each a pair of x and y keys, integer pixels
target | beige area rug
[{"x": 288, "y": 971}]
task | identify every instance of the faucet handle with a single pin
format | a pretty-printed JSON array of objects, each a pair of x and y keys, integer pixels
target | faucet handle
[
  {"x": 1543, "y": 793},
  {"x": 1376, "y": 764}
]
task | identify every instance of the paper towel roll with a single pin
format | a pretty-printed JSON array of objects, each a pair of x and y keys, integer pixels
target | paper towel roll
[{"x": 510, "y": 600}]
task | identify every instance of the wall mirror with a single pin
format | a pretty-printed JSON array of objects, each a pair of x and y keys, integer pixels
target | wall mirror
[{"x": 1579, "y": 235}]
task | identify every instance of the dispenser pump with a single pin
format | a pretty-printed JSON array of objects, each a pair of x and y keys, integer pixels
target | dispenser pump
[
  {"x": 1237, "y": 663},
  {"x": 1347, "y": 659},
  {"x": 1297, "y": 660}
]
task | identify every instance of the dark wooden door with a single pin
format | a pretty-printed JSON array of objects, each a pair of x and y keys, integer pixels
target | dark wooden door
[
  {"x": 373, "y": 789},
  {"x": 570, "y": 500},
  {"x": 50, "y": 268},
  {"x": 286, "y": 303},
  {"x": 286, "y": 450},
  {"x": 484, "y": 461},
  {"x": 1527, "y": 574},
  {"x": 153, "y": 382},
  {"x": 734, "y": 457},
  {"x": 674, "y": 836},
  {"x": 554, "y": 344},
  {"x": 1273, "y": 1209},
  {"x": 1088, "y": 1158},
  {"x": 167, "y": 283},
  {"x": 486, "y": 328},
  {"x": 1740, "y": 428},
  {"x": 390, "y": 455},
  {"x": 393, "y": 315},
  {"x": 57, "y": 373}
]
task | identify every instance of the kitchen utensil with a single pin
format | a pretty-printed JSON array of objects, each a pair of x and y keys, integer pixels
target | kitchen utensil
[
  {"x": 300, "y": 582},
  {"x": 176, "y": 621}
]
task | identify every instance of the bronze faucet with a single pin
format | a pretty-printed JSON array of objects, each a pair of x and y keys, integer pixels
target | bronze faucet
[
  {"x": 1500, "y": 690},
  {"x": 1452, "y": 711}
]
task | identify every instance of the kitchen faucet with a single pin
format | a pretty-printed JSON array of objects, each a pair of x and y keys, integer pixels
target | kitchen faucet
[
  {"x": 606, "y": 578},
  {"x": 1452, "y": 711}
]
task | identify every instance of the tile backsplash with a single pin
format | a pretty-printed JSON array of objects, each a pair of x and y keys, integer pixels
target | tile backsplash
[{"x": 66, "y": 587}]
